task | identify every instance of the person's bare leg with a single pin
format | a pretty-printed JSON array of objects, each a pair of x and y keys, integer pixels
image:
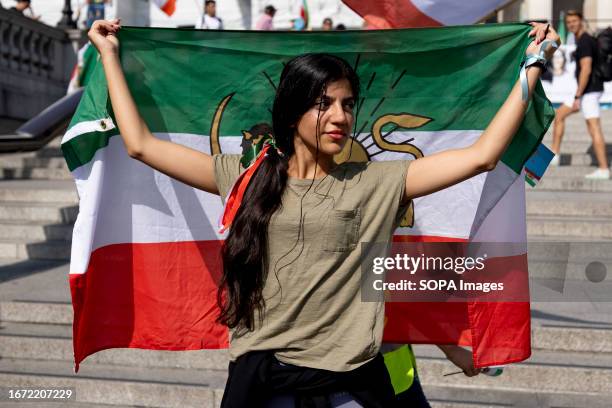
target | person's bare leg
[
  {"x": 559, "y": 126},
  {"x": 599, "y": 145}
]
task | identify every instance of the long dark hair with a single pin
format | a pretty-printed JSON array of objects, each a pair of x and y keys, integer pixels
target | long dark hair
[{"x": 245, "y": 250}]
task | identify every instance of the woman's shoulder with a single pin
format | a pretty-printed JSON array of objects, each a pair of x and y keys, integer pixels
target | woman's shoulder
[
  {"x": 227, "y": 168},
  {"x": 228, "y": 163}
]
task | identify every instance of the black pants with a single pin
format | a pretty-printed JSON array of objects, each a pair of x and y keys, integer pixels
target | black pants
[
  {"x": 255, "y": 377},
  {"x": 413, "y": 397}
]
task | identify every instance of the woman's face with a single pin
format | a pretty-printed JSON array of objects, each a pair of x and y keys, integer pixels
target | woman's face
[{"x": 334, "y": 111}]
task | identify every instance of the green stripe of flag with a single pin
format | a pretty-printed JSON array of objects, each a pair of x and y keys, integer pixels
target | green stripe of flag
[
  {"x": 81, "y": 150},
  {"x": 459, "y": 76}
]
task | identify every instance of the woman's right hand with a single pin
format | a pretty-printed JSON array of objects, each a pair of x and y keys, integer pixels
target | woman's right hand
[{"x": 102, "y": 36}]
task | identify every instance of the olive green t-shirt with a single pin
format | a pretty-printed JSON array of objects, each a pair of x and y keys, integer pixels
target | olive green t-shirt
[{"x": 314, "y": 314}]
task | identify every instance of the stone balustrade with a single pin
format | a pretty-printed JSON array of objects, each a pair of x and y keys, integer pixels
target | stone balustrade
[{"x": 35, "y": 65}]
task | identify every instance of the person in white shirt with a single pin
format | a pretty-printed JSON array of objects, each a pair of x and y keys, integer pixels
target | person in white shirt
[{"x": 209, "y": 20}]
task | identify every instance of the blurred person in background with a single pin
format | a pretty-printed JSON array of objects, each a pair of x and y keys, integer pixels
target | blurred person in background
[
  {"x": 298, "y": 24},
  {"x": 328, "y": 24},
  {"x": 265, "y": 21},
  {"x": 340, "y": 27},
  {"x": 95, "y": 11},
  {"x": 209, "y": 20},
  {"x": 590, "y": 89},
  {"x": 24, "y": 7}
]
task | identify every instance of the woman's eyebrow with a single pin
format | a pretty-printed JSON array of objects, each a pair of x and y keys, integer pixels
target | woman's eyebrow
[{"x": 331, "y": 98}]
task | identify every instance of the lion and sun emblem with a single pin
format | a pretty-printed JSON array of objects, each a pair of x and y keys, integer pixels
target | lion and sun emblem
[{"x": 362, "y": 148}]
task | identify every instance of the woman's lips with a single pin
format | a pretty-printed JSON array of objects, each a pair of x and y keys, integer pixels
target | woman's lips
[{"x": 337, "y": 135}]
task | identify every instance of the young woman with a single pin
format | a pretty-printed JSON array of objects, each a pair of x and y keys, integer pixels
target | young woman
[{"x": 300, "y": 332}]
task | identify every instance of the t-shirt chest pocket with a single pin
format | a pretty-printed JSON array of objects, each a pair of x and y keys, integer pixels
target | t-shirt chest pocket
[{"x": 342, "y": 230}]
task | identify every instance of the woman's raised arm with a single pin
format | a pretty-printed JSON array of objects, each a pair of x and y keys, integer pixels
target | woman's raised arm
[
  {"x": 438, "y": 171},
  {"x": 187, "y": 165}
]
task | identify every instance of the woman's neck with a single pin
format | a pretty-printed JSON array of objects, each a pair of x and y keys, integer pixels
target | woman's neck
[{"x": 305, "y": 161}]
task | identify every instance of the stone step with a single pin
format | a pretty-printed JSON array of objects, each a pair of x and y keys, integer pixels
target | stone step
[
  {"x": 120, "y": 385},
  {"x": 54, "y": 342},
  {"x": 579, "y": 140},
  {"x": 65, "y": 213},
  {"x": 580, "y": 146},
  {"x": 52, "y": 162},
  {"x": 575, "y": 172},
  {"x": 50, "y": 151},
  {"x": 572, "y": 339},
  {"x": 577, "y": 123},
  {"x": 199, "y": 388},
  {"x": 574, "y": 184},
  {"x": 563, "y": 238},
  {"x": 568, "y": 204},
  {"x": 580, "y": 159},
  {"x": 500, "y": 397},
  {"x": 35, "y": 173},
  {"x": 543, "y": 225},
  {"x": 572, "y": 251},
  {"x": 454, "y": 404},
  {"x": 573, "y": 133},
  {"x": 35, "y": 231},
  {"x": 47, "y": 191},
  {"x": 567, "y": 282},
  {"x": 59, "y": 313},
  {"x": 550, "y": 372},
  {"x": 544, "y": 371},
  {"x": 15, "y": 249},
  {"x": 64, "y": 404},
  {"x": 14, "y": 159},
  {"x": 55, "y": 143}
]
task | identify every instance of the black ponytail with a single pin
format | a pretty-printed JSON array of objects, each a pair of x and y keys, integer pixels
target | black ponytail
[{"x": 245, "y": 250}]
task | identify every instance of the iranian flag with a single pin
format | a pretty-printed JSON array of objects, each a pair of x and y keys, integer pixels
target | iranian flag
[
  {"x": 167, "y": 6},
  {"x": 145, "y": 255},
  {"x": 423, "y": 13}
]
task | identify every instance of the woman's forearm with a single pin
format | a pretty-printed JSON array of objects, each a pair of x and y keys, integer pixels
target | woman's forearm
[
  {"x": 134, "y": 130},
  {"x": 497, "y": 136}
]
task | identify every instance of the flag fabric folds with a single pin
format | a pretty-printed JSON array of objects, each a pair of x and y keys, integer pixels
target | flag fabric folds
[
  {"x": 382, "y": 14},
  {"x": 146, "y": 250}
]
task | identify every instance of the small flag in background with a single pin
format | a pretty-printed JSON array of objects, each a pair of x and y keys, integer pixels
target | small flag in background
[
  {"x": 383, "y": 14},
  {"x": 561, "y": 28},
  {"x": 86, "y": 58},
  {"x": 537, "y": 164},
  {"x": 305, "y": 14},
  {"x": 167, "y": 6}
]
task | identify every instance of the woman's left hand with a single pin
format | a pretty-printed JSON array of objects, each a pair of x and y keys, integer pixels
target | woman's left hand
[
  {"x": 460, "y": 357},
  {"x": 541, "y": 32}
]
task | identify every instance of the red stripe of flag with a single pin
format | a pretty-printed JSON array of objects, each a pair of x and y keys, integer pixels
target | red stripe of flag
[{"x": 158, "y": 296}]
